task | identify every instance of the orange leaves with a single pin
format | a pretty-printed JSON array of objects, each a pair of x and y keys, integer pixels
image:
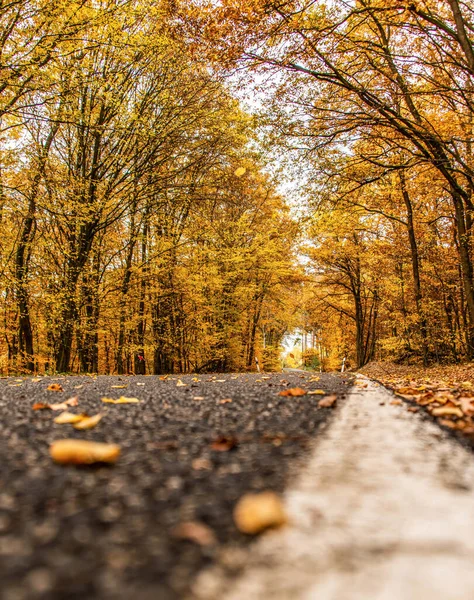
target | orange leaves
[
  {"x": 293, "y": 392},
  {"x": 55, "y": 387},
  {"x": 82, "y": 452},
  {"x": 61, "y": 406},
  {"x": 256, "y": 512}
]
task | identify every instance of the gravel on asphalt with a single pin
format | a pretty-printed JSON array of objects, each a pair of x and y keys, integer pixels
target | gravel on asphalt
[{"x": 106, "y": 532}]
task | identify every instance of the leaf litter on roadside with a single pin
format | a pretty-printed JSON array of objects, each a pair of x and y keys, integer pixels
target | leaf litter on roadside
[
  {"x": 296, "y": 391},
  {"x": 74, "y": 401}
]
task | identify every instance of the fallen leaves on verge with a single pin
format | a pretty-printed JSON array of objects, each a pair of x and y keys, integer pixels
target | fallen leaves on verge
[
  {"x": 61, "y": 406},
  {"x": 121, "y": 400},
  {"x": 195, "y": 532},
  {"x": 328, "y": 402},
  {"x": 83, "y": 452},
  {"x": 443, "y": 391},
  {"x": 293, "y": 392},
  {"x": 256, "y": 512}
]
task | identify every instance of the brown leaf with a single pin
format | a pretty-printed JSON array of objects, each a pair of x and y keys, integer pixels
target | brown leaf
[
  {"x": 224, "y": 443},
  {"x": 202, "y": 464},
  {"x": 225, "y": 401},
  {"x": 82, "y": 452},
  {"x": 55, "y": 387},
  {"x": 413, "y": 409},
  {"x": 256, "y": 512},
  {"x": 88, "y": 422},
  {"x": 396, "y": 402},
  {"x": 195, "y": 532},
  {"x": 328, "y": 402},
  {"x": 293, "y": 392}
]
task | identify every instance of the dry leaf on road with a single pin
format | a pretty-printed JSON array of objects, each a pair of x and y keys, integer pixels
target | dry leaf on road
[
  {"x": 82, "y": 452},
  {"x": 88, "y": 422},
  {"x": 256, "y": 512},
  {"x": 328, "y": 402},
  {"x": 67, "y": 417},
  {"x": 195, "y": 532},
  {"x": 293, "y": 392},
  {"x": 121, "y": 400},
  {"x": 55, "y": 387},
  {"x": 224, "y": 443}
]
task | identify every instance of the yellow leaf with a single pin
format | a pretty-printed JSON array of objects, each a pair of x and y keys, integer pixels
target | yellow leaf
[
  {"x": 121, "y": 400},
  {"x": 256, "y": 512},
  {"x": 67, "y": 417},
  {"x": 240, "y": 171},
  {"x": 88, "y": 422},
  {"x": 82, "y": 452},
  {"x": 118, "y": 387},
  {"x": 180, "y": 383}
]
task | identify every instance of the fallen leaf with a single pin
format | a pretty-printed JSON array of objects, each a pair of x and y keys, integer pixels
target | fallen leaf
[
  {"x": 195, "y": 532},
  {"x": 138, "y": 383},
  {"x": 88, "y": 422},
  {"x": 293, "y": 392},
  {"x": 220, "y": 380},
  {"x": 446, "y": 411},
  {"x": 224, "y": 443},
  {"x": 67, "y": 417},
  {"x": 396, "y": 402},
  {"x": 180, "y": 383},
  {"x": 198, "y": 398},
  {"x": 413, "y": 409},
  {"x": 201, "y": 464},
  {"x": 55, "y": 387},
  {"x": 467, "y": 405},
  {"x": 256, "y": 512},
  {"x": 317, "y": 392},
  {"x": 163, "y": 377},
  {"x": 328, "y": 402},
  {"x": 225, "y": 401},
  {"x": 41, "y": 406},
  {"x": 83, "y": 452},
  {"x": 36, "y": 379},
  {"x": 121, "y": 400},
  {"x": 119, "y": 387},
  {"x": 78, "y": 387}
]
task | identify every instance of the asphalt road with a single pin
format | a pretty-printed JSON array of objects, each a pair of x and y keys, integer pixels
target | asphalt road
[{"x": 106, "y": 532}]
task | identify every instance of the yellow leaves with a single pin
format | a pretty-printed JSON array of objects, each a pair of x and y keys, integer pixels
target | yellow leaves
[
  {"x": 67, "y": 417},
  {"x": 445, "y": 411},
  {"x": 296, "y": 391},
  {"x": 82, "y": 452},
  {"x": 257, "y": 512},
  {"x": 240, "y": 171},
  {"x": 88, "y": 422},
  {"x": 121, "y": 400}
]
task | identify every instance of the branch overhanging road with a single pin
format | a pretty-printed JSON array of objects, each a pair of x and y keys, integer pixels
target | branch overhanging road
[{"x": 381, "y": 501}]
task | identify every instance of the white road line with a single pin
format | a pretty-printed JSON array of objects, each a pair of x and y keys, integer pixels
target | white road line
[{"x": 384, "y": 510}]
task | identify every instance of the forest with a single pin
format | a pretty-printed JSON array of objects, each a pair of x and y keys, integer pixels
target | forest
[{"x": 154, "y": 220}]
